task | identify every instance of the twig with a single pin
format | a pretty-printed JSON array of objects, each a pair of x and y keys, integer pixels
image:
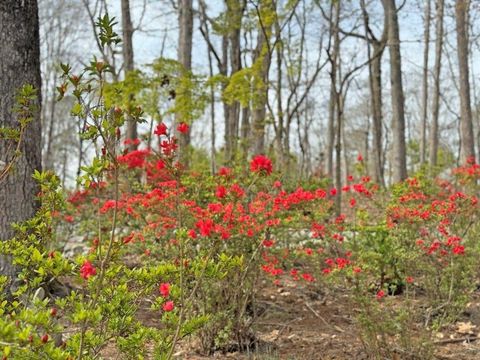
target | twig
[
  {"x": 457, "y": 340},
  {"x": 316, "y": 314},
  {"x": 287, "y": 324}
]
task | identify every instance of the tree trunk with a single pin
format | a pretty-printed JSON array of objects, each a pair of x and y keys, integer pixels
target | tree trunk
[
  {"x": 436, "y": 82},
  {"x": 259, "y": 111},
  {"x": 19, "y": 65},
  {"x": 281, "y": 155},
  {"x": 235, "y": 11},
  {"x": 467, "y": 149},
  {"x": 398, "y": 107},
  {"x": 185, "y": 39},
  {"x": 261, "y": 62},
  {"x": 423, "y": 140},
  {"x": 375, "y": 83},
  {"x": 128, "y": 64},
  {"x": 334, "y": 36},
  {"x": 245, "y": 133},
  {"x": 338, "y": 153},
  {"x": 377, "y": 112}
]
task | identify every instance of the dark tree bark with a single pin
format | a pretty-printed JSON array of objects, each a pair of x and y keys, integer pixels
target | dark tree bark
[
  {"x": 467, "y": 149},
  {"x": 436, "y": 82},
  {"x": 128, "y": 64},
  {"x": 399, "y": 155},
  {"x": 19, "y": 65}
]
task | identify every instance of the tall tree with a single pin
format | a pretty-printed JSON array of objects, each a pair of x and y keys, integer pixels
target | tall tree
[
  {"x": 467, "y": 149},
  {"x": 235, "y": 10},
  {"x": 128, "y": 64},
  {"x": 262, "y": 57},
  {"x": 333, "y": 56},
  {"x": 375, "y": 84},
  {"x": 426, "y": 49},
  {"x": 399, "y": 156},
  {"x": 19, "y": 65},
  {"x": 436, "y": 81},
  {"x": 185, "y": 40}
]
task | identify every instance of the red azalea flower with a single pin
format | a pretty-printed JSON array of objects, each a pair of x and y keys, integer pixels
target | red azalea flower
[
  {"x": 380, "y": 294},
  {"x": 205, "y": 226},
  {"x": 159, "y": 165},
  {"x": 165, "y": 289},
  {"x": 87, "y": 270},
  {"x": 224, "y": 171},
  {"x": 168, "y": 306},
  {"x": 183, "y": 128},
  {"x": 161, "y": 129},
  {"x": 261, "y": 164},
  {"x": 267, "y": 243},
  {"x": 68, "y": 218},
  {"x": 220, "y": 192},
  {"x": 308, "y": 277},
  {"x": 459, "y": 250}
]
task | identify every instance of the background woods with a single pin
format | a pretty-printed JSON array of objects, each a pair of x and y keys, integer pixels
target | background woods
[{"x": 293, "y": 79}]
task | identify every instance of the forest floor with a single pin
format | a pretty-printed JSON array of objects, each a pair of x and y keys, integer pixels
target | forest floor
[{"x": 300, "y": 322}]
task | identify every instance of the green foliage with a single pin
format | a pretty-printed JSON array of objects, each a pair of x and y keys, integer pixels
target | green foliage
[
  {"x": 13, "y": 136},
  {"x": 247, "y": 85},
  {"x": 185, "y": 92},
  {"x": 107, "y": 35}
]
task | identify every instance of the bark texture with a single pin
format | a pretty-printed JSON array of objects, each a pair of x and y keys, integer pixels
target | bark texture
[
  {"x": 235, "y": 10},
  {"x": 259, "y": 111},
  {"x": 128, "y": 64},
  {"x": 399, "y": 156},
  {"x": 436, "y": 82},
  {"x": 375, "y": 84},
  {"x": 426, "y": 36},
  {"x": 185, "y": 39},
  {"x": 333, "y": 58},
  {"x": 19, "y": 65},
  {"x": 467, "y": 149}
]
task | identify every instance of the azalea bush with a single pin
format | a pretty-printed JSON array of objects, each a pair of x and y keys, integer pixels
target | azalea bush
[{"x": 180, "y": 248}]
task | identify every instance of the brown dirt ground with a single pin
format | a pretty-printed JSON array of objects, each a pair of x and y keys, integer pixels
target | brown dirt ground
[{"x": 302, "y": 323}]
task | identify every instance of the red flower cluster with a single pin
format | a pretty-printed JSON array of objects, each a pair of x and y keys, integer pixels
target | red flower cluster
[
  {"x": 261, "y": 164},
  {"x": 182, "y": 128},
  {"x": 165, "y": 289},
  {"x": 134, "y": 159},
  {"x": 87, "y": 270},
  {"x": 168, "y": 306},
  {"x": 165, "y": 292},
  {"x": 160, "y": 130}
]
